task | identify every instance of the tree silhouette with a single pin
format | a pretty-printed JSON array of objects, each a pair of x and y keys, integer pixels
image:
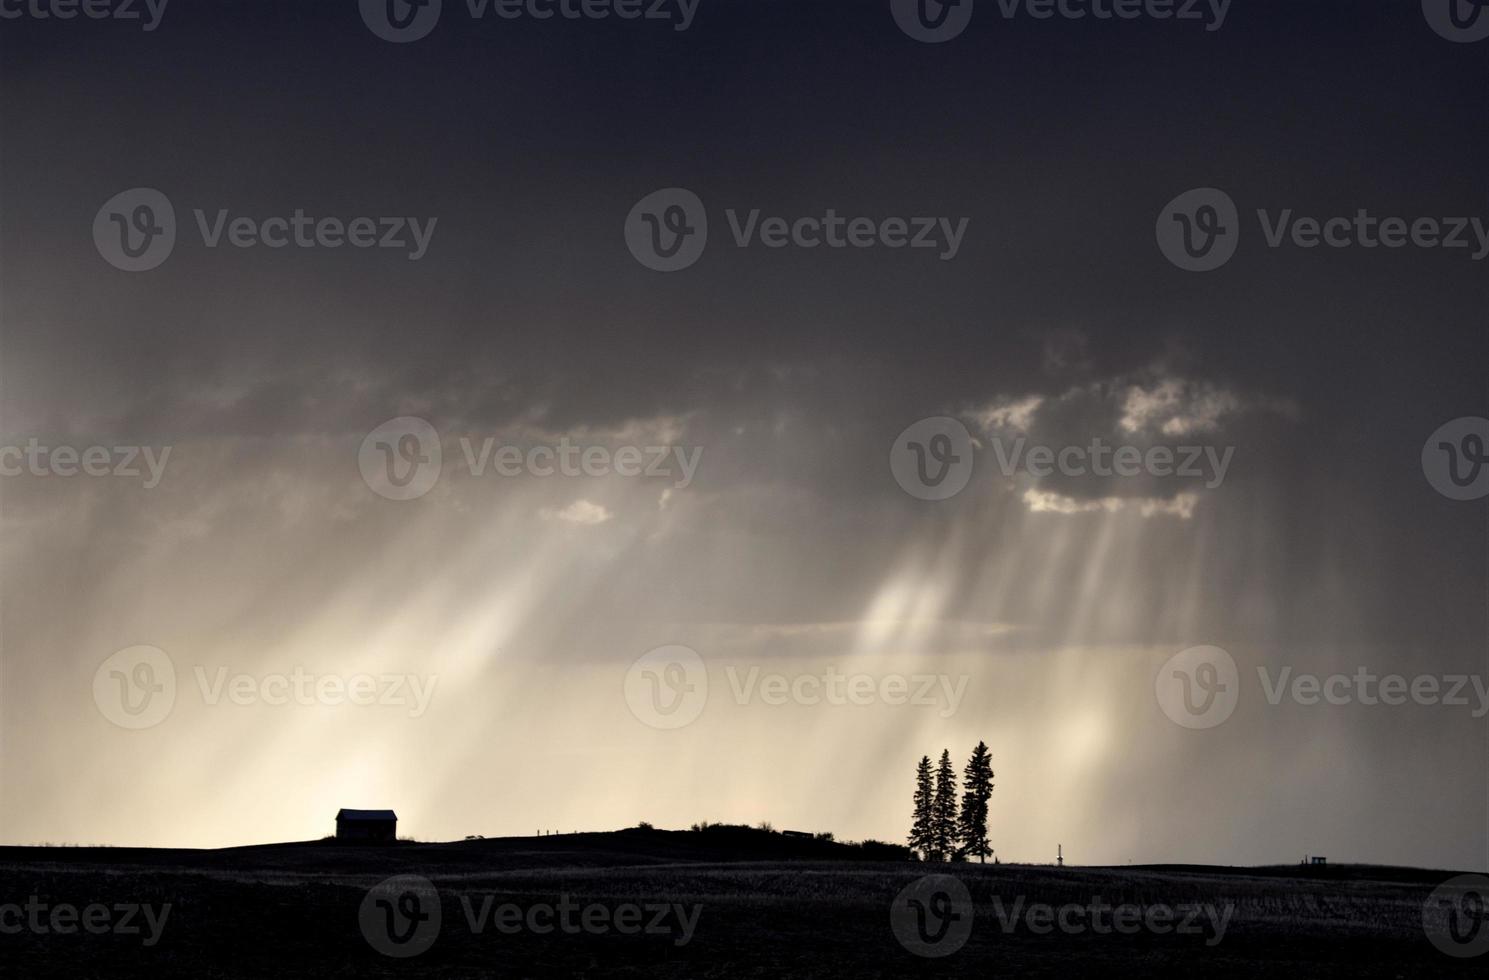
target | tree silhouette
[
  {"x": 943, "y": 809},
  {"x": 972, "y": 829},
  {"x": 920, "y": 830}
]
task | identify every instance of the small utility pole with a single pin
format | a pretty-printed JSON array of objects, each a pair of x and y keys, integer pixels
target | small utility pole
[{"x": 1060, "y": 855}]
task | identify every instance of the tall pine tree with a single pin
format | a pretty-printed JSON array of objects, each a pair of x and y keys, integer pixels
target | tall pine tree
[
  {"x": 920, "y": 829},
  {"x": 978, "y": 789},
  {"x": 943, "y": 809}
]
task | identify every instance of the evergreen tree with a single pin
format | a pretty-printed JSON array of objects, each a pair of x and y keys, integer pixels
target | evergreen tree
[
  {"x": 972, "y": 828},
  {"x": 920, "y": 829},
  {"x": 943, "y": 809}
]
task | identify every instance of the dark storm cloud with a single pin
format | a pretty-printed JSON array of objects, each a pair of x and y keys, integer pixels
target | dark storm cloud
[
  {"x": 1059, "y": 142},
  {"x": 530, "y": 142}
]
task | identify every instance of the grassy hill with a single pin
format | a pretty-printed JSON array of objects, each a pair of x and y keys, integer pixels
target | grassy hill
[{"x": 726, "y": 903}]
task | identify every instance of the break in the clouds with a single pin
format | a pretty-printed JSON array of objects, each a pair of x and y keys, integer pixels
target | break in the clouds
[
  {"x": 582, "y": 512},
  {"x": 1152, "y": 443}
]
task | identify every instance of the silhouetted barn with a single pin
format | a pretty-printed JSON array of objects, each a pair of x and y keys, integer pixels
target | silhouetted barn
[{"x": 367, "y": 825}]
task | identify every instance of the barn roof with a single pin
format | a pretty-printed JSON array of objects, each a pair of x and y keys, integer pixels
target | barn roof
[{"x": 366, "y": 815}]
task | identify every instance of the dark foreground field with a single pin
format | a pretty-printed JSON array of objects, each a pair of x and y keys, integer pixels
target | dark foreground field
[{"x": 659, "y": 904}]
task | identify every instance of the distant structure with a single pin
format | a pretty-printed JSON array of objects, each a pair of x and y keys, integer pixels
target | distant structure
[
  {"x": 799, "y": 834},
  {"x": 1059, "y": 855},
  {"x": 1318, "y": 860},
  {"x": 373, "y": 826}
]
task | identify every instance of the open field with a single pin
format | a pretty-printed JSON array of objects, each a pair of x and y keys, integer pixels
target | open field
[{"x": 707, "y": 908}]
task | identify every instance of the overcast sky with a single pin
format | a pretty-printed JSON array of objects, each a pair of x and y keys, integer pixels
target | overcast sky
[{"x": 520, "y": 147}]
